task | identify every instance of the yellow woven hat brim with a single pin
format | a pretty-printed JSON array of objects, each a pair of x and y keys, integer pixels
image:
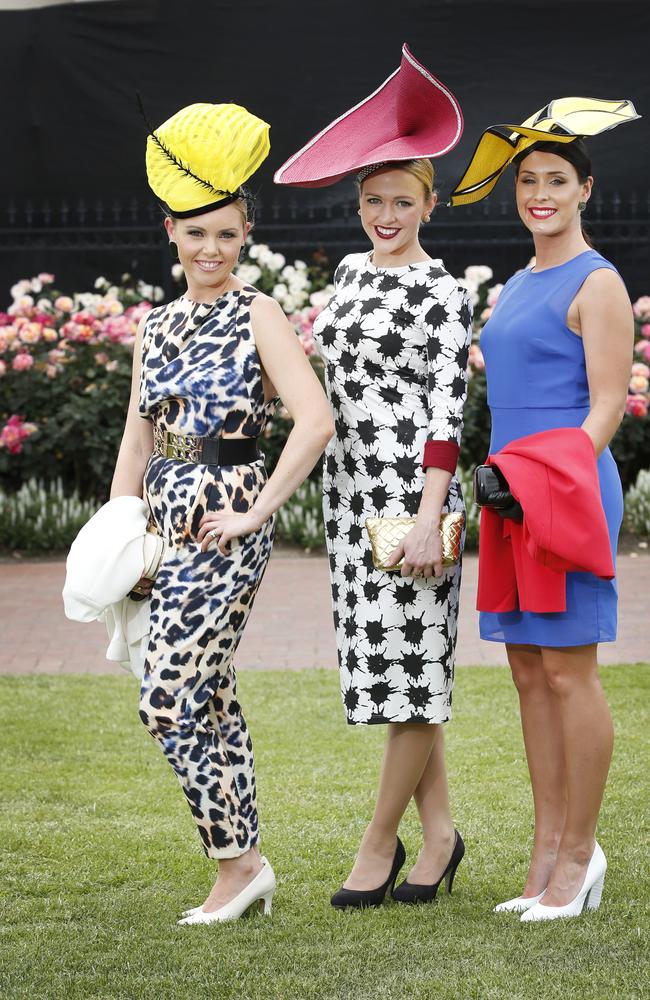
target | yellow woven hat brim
[
  {"x": 563, "y": 120},
  {"x": 200, "y": 157}
]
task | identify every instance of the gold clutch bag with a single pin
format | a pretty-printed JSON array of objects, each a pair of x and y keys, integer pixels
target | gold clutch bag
[{"x": 387, "y": 532}]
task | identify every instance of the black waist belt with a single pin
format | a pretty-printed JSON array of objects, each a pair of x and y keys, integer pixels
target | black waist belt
[{"x": 205, "y": 450}]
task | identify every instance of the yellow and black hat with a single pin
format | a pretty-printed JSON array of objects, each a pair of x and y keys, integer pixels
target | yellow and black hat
[
  {"x": 198, "y": 159},
  {"x": 563, "y": 120}
]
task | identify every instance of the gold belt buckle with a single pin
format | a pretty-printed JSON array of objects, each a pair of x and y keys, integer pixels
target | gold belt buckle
[{"x": 185, "y": 447}]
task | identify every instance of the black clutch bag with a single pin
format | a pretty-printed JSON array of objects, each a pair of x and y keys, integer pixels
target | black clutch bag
[{"x": 491, "y": 490}]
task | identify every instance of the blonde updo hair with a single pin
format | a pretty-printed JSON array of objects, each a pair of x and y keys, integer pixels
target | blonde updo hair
[{"x": 422, "y": 170}]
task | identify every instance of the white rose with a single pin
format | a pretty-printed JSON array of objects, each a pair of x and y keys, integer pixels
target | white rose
[
  {"x": 177, "y": 272},
  {"x": 20, "y": 288},
  {"x": 264, "y": 256},
  {"x": 100, "y": 282},
  {"x": 276, "y": 262},
  {"x": 493, "y": 294},
  {"x": 300, "y": 265},
  {"x": 158, "y": 294},
  {"x": 478, "y": 274},
  {"x": 321, "y": 298},
  {"x": 249, "y": 273},
  {"x": 280, "y": 292},
  {"x": 111, "y": 292},
  {"x": 36, "y": 285},
  {"x": 44, "y": 305},
  {"x": 254, "y": 250}
]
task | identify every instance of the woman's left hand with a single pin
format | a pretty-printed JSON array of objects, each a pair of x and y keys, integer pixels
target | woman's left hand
[
  {"x": 421, "y": 550},
  {"x": 227, "y": 526}
]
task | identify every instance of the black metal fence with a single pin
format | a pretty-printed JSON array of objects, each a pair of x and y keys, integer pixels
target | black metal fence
[{"x": 79, "y": 240}]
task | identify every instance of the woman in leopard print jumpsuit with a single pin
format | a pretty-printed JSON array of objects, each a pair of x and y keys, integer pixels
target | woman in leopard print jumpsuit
[{"x": 207, "y": 371}]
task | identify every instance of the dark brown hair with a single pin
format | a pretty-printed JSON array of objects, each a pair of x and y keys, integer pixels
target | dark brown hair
[{"x": 575, "y": 153}]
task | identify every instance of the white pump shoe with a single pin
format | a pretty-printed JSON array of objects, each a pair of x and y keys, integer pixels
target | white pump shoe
[
  {"x": 587, "y": 899},
  {"x": 519, "y": 904},
  {"x": 259, "y": 890}
]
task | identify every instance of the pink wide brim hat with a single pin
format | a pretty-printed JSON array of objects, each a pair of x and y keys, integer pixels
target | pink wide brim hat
[{"x": 412, "y": 115}]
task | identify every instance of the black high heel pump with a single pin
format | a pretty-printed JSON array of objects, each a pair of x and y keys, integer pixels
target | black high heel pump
[
  {"x": 408, "y": 893},
  {"x": 359, "y": 898}
]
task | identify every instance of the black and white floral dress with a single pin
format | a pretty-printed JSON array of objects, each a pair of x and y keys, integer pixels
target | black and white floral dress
[{"x": 395, "y": 343}]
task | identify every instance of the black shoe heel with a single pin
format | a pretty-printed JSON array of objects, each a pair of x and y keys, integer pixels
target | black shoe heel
[
  {"x": 359, "y": 899},
  {"x": 408, "y": 893}
]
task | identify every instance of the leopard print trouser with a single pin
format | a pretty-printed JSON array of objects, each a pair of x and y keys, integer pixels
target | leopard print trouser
[{"x": 199, "y": 607}]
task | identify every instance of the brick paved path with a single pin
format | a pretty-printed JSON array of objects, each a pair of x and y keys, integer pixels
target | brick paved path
[{"x": 290, "y": 626}]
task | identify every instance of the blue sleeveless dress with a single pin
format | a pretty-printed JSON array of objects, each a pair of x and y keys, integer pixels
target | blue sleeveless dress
[{"x": 537, "y": 381}]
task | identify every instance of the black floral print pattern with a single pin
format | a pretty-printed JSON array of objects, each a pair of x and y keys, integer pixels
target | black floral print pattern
[{"x": 395, "y": 342}]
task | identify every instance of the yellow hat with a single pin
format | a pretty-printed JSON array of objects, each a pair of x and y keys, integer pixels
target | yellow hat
[
  {"x": 198, "y": 159},
  {"x": 562, "y": 120}
]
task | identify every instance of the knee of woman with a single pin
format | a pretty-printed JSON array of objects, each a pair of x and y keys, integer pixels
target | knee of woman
[
  {"x": 525, "y": 675},
  {"x": 560, "y": 681}
]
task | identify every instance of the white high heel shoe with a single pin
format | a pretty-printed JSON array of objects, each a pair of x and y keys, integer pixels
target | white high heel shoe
[
  {"x": 587, "y": 899},
  {"x": 260, "y": 889},
  {"x": 519, "y": 904}
]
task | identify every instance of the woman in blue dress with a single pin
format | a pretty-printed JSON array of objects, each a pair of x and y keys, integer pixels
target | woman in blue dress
[{"x": 557, "y": 351}]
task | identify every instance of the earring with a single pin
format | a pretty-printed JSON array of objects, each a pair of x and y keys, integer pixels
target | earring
[
  {"x": 426, "y": 218},
  {"x": 242, "y": 253},
  {"x": 582, "y": 205},
  {"x": 173, "y": 250},
  {"x": 358, "y": 211}
]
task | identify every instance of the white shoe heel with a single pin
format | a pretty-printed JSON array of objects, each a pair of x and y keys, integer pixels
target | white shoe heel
[
  {"x": 588, "y": 898},
  {"x": 266, "y": 903},
  {"x": 261, "y": 889},
  {"x": 519, "y": 904},
  {"x": 594, "y": 896}
]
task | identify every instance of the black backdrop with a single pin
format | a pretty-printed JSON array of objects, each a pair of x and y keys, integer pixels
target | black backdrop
[{"x": 68, "y": 76}]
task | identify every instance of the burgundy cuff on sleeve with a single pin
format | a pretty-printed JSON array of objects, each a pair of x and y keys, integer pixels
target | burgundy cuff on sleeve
[{"x": 441, "y": 455}]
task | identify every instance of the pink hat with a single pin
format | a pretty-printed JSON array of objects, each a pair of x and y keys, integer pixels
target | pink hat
[{"x": 412, "y": 115}]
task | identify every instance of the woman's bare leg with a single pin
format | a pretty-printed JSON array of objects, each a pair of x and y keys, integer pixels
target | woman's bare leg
[
  {"x": 588, "y": 737},
  {"x": 432, "y": 800},
  {"x": 408, "y": 747},
  {"x": 544, "y": 743}
]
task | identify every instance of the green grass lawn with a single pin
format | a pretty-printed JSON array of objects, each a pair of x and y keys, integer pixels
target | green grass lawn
[{"x": 99, "y": 855}]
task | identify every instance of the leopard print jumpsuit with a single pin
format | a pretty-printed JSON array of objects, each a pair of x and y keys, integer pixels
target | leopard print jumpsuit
[{"x": 201, "y": 375}]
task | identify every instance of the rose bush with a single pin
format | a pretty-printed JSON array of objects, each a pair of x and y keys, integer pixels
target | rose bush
[{"x": 65, "y": 368}]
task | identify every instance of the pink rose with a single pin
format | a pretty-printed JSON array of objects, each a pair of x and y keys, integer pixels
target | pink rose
[
  {"x": 3, "y": 368},
  {"x": 641, "y": 307},
  {"x": 645, "y": 330},
  {"x": 637, "y": 406},
  {"x": 640, "y": 369},
  {"x": 643, "y": 348},
  {"x": 51, "y": 371},
  {"x": 22, "y": 362},
  {"x": 14, "y": 433},
  {"x": 45, "y": 278}
]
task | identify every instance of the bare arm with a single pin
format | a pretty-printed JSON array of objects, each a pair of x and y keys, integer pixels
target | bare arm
[
  {"x": 137, "y": 440},
  {"x": 285, "y": 364},
  {"x": 607, "y": 329}
]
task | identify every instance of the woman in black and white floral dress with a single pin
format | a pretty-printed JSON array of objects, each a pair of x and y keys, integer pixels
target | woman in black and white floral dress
[{"x": 395, "y": 340}]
